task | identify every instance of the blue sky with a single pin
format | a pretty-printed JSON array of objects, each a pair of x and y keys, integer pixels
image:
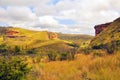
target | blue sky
[
  {"x": 54, "y": 1},
  {"x": 66, "y": 21},
  {"x": 66, "y": 16}
]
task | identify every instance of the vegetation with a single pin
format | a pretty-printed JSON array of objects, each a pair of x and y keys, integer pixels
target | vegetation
[
  {"x": 110, "y": 36},
  {"x": 13, "y": 68},
  {"x": 69, "y": 57},
  {"x": 84, "y": 67}
]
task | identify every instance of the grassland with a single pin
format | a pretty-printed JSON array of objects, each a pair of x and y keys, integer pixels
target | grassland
[{"x": 84, "y": 67}]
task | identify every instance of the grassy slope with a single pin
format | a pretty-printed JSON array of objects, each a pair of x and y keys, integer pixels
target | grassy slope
[
  {"x": 75, "y": 37},
  {"x": 32, "y": 39},
  {"x": 111, "y": 33},
  {"x": 83, "y": 40},
  {"x": 84, "y": 67}
]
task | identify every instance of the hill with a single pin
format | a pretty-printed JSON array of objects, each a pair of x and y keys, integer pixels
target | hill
[
  {"x": 108, "y": 37},
  {"x": 19, "y": 36},
  {"x": 83, "y": 40},
  {"x": 33, "y": 39}
]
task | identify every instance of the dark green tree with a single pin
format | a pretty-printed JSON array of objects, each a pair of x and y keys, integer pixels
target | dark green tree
[{"x": 13, "y": 68}]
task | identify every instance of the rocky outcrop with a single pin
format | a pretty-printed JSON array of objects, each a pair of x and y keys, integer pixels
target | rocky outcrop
[
  {"x": 109, "y": 36},
  {"x": 101, "y": 27},
  {"x": 11, "y": 33},
  {"x": 52, "y": 35}
]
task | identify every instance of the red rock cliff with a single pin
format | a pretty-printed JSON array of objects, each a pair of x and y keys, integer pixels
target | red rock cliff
[
  {"x": 11, "y": 33},
  {"x": 101, "y": 27}
]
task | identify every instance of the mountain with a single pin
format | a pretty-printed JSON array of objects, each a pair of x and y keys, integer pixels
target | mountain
[{"x": 109, "y": 36}]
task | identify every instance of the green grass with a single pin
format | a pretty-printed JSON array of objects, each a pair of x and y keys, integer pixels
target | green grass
[
  {"x": 111, "y": 33},
  {"x": 31, "y": 39}
]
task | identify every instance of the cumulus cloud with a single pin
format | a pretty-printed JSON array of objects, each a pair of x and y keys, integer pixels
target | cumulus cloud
[{"x": 45, "y": 14}]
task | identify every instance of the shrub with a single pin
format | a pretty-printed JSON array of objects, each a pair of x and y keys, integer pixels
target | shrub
[
  {"x": 17, "y": 50},
  {"x": 70, "y": 56},
  {"x": 110, "y": 47},
  {"x": 86, "y": 51},
  {"x": 99, "y": 53},
  {"x": 52, "y": 56},
  {"x": 31, "y": 51},
  {"x": 13, "y": 68},
  {"x": 101, "y": 46},
  {"x": 63, "y": 56},
  {"x": 3, "y": 49},
  {"x": 118, "y": 43}
]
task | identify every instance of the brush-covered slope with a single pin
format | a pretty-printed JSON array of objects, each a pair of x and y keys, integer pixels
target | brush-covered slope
[{"x": 109, "y": 35}]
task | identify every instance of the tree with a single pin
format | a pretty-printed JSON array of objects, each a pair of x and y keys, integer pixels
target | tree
[
  {"x": 13, "y": 68},
  {"x": 3, "y": 49},
  {"x": 31, "y": 51}
]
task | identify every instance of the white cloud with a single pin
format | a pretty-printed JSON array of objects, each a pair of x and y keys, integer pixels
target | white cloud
[
  {"x": 86, "y": 13},
  {"x": 48, "y": 20}
]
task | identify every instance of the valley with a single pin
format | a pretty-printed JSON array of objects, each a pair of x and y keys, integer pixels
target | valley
[{"x": 58, "y": 56}]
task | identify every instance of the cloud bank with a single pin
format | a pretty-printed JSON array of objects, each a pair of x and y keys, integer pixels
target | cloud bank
[{"x": 67, "y": 16}]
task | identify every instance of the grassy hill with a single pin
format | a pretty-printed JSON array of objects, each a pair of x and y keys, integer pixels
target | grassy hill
[
  {"x": 38, "y": 42},
  {"x": 34, "y": 39},
  {"x": 108, "y": 37},
  {"x": 26, "y": 37},
  {"x": 83, "y": 40}
]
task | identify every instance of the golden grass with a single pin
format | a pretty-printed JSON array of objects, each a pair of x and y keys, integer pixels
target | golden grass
[{"x": 84, "y": 67}]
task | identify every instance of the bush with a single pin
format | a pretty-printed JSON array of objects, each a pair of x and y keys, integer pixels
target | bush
[
  {"x": 101, "y": 46},
  {"x": 70, "y": 56},
  {"x": 63, "y": 56},
  {"x": 86, "y": 51},
  {"x": 31, "y": 51},
  {"x": 118, "y": 44},
  {"x": 52, "y": 56},
  {"x": 109, "y": 47},
  {"x": 3, "y": 49},
  {"x": 99, "y": 53},
  {"x": 17, "y": 50},
  {"x": 12, "y": 68}
]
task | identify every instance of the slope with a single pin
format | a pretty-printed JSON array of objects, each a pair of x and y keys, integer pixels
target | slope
[
  {"x": 17, "y": 36},
  {"x": 110, "y": 35},
  {"x": 83, "y": 40}
]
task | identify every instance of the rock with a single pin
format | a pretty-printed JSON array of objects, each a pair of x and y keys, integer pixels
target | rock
[
  {"x": 11, "y": 33},
  {"x": 52, "y": 35},
  {"x": 101, "y": 27}
]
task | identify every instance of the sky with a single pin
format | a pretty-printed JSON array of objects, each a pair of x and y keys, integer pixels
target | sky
[{"x": 66, "y": 16}]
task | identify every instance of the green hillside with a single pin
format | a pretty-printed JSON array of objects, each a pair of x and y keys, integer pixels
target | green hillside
[
  {"x": 108, "y": 37},
  {"x": 26, "y": 37},
  {"x": 83, "y": 40}
]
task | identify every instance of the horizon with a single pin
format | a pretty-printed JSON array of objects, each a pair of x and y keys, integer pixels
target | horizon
[{"x": 58, "y": 15}]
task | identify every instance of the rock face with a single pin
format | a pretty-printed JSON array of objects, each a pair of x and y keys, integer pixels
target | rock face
[
  {"x": 52, "y": 35},
  {"x": 101, "y": 27},
  {"x": 11, "y": 33}
]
